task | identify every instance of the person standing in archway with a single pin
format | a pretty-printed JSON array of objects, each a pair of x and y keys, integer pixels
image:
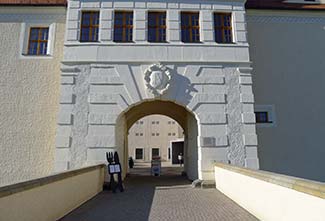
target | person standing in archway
[{"x": 180, "y": 159}]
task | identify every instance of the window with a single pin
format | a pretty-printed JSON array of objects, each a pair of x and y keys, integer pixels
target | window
[
  {"x": 136, "y": 134},
  {"x": 141, "y": 122},
  {"x": 89, "y": 26},
  {"x": 141, "y": 134},
  {"x": 139, "y": 153},
  {"x": 174, "y": 134},
  {"x": 153, "y": 134},
  {"x": 157, "y": 122},
  {"x": 123, "y": 26},
  {"x": 169, "y": 122},
  {"x": 190, "y": 27},
  {"x": 265, "y": 116},
  {"x": 169, "y": 134},
  {"x": 157, "y": 134},
  {"x": 157, "y": 26},
  {"x": 38, "y": 40},
  {"x": 153, "y": 122},
  {"x": 222, "y": 27},
  {"x": 154, "y": 152},
  {"x": 262, "y": 117}
]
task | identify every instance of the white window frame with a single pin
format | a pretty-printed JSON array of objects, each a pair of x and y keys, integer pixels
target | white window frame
[
  {"x": 135, "y": 153},
  {"x": 270, "y": 112},
  {"x": 24, "y": 38}
]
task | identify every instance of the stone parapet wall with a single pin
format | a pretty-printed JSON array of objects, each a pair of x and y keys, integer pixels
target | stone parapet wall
[
  {"x": 271, "y": 196},
  {"x": 50, "y": 198}
]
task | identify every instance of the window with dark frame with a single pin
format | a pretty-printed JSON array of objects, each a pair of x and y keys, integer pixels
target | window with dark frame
[
  {"x": 157, "y": 26},
  {"x": 89, "y": 26},
  {"x": 262, "y": 117},
  {"x": 123, "y": 26},
  {"x": 190, "y": 27},
  {"x": 38, "y": 40},
  {"x": 138, "y": 153},
  {"x": 223, "y": 28},
  {"x": 155, "y": 152}
]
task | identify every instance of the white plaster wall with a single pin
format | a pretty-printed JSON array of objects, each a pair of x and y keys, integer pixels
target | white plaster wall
[
  {"x": 212, "y": 81},
  {"x": 287, "y": 50},
  {"x": 269, "y": 201},
  {"x": 29, "y": 91}
]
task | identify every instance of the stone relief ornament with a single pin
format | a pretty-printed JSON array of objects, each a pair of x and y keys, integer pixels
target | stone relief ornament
[{"x": 157, "y": 78}]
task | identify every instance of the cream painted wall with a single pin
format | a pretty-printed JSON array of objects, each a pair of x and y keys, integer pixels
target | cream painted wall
[
  {"x": 287, "y": 51},
  {"x": 147, "y": 141},
  {"x": 29, "y": 91},
  {"x": 270, "y": 201},
  {"x": 54, "y": 199}
]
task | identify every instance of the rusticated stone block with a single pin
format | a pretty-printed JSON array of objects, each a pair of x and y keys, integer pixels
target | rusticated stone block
[
  {"x": 100, "y": 141},
  {"x": 250, "y": 139}
]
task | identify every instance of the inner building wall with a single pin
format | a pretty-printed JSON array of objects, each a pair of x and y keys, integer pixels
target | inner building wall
[{"x": 154, "y": 131}]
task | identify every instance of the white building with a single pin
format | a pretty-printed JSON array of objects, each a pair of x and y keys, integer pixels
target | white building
[{"x": 123, "y": 60}]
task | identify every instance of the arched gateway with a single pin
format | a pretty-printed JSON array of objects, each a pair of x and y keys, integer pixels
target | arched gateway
[
  {"x": 205, "y": 86},
  {"x": 184, "y": 117}
]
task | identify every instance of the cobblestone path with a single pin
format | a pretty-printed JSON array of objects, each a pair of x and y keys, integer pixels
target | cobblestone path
[{"x": 160, "y": 198}]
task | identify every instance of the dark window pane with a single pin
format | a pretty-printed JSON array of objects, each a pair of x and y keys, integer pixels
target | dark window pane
[
  {"x": 123, "y": 26},
  {"x": 156, "y": 26},
  {"x": 89, "y": 26},
  {"x": 42, "y": 48},
  {"x": 262, "y": 117},
  {"x": 155, "y": 152},
  {"x": 38, "y": 39},
  {"x": 32, "y": 48},
  {"x": 138, "y": 154},
  {"x": 223, "y": 27},
  {"x": 44, "y": 34},
  {"x": 190, "y": 27},
  {"x": 33, "y": 34}
]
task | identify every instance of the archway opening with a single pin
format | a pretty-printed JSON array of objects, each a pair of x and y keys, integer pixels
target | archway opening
[
  {"x": 184, "y": 118},
  {"x": 156, "y": 140}
]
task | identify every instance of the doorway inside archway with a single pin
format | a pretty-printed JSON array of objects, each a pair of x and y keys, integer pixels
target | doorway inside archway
[
  {"x": 145, "y": 119},
  {"x": 156, "y": 139}
]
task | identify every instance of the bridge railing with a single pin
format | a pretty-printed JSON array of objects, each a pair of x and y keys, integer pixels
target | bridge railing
[
  {"x": 271, "y": 196},
  {"x": 52, "y": 197}
]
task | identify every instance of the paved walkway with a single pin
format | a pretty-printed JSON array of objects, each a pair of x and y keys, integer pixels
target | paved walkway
[{"x": 160, "y": 198}]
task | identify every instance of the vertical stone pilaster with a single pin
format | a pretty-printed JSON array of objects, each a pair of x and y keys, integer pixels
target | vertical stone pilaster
[
  {"x": 236, "y": 150},
  {"x": 248, "y": 118},
  {"x": 66, "y": 118}
]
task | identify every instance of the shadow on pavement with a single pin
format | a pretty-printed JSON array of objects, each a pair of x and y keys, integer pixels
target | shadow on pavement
[{"x": 133, "y": 204}]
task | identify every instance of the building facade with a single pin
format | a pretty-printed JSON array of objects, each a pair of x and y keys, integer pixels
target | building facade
[
  {"x": 81, "y": 74},
  {"x": 152, "y": 136}
]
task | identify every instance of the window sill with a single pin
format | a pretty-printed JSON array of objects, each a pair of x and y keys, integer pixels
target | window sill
[
  {"x": 123, "y": 42},
  {"x": 89, "y": 42},
  {"x": 30, "y": 56}
]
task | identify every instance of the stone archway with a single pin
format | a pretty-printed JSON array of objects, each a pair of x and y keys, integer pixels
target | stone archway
[
  {"x": 184, "y": 117},
  {"x": 102, "y": 100}
]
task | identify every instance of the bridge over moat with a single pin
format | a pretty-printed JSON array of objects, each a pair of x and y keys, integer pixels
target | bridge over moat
[
  {"x": 78, "y": 195},
  {"x": 168, "y": 197}
]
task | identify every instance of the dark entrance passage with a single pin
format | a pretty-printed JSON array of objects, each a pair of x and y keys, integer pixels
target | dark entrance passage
[{"x": 177, "y": 149}]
